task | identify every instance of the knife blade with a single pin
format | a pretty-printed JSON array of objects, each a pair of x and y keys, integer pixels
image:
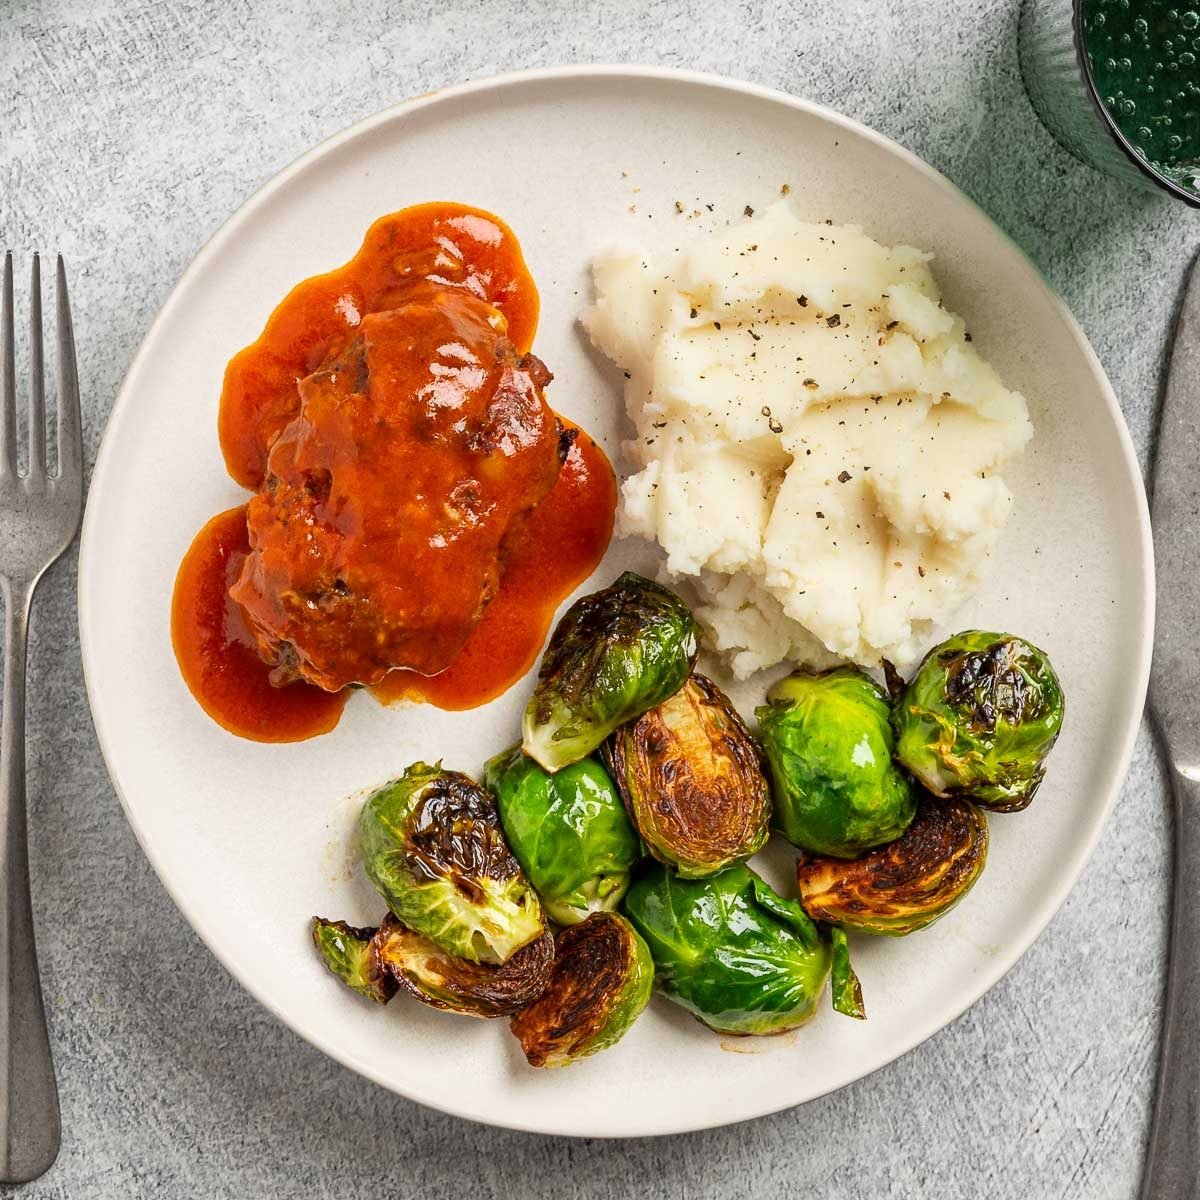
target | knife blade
[
  {"x": 1173, "y": 1160},
  {"x": 1175, "y": 676}
]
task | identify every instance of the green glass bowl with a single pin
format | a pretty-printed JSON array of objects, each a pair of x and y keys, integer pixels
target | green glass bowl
[{"x": 1058, "y": 79}]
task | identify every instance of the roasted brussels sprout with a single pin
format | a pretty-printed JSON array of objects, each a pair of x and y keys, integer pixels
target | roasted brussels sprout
[
  {"x": 979, "y": 717},
  {"x": 453, "y": 984},
  {"x": 601, "y": 981},
  {"x": 692, "y": 779},
  {"x": 613, "y": 655},
  {"x": 829, "y": 743},
  {"x": 432, "y": 846},
  {"x": 352, "y": 954},
  {"x": 734, "y": 953},
  {"x": 902, "y": 887},
  {"x": 568, "y": 830}
]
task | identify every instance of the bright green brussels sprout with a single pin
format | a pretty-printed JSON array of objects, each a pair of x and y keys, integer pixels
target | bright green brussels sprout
[
  {"x": 902, "y": 887},
  {"x": 829, "y": 743},
  {"x": 432, "y": 846},
  {"x": 979, "y": 717},
  {"x": 455, "y": 985},
  {"x": 613, "y": 655},
  {"x": 735, "y": 954},
  {"x": 602, "y": 978},
  {"x": 692, "y": 779},
  {"x": 568, "y": 830},
  {"x": 352, "y": 954}
]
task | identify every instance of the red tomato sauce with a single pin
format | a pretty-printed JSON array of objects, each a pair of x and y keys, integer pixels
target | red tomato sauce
[
  {"x": 217, "y": 655},
  {"x": 559, "y": 545},
  {"x": 545, "y": 554}
]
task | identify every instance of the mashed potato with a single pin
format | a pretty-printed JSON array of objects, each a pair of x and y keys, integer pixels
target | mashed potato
[{"x": 817, "y": 440}]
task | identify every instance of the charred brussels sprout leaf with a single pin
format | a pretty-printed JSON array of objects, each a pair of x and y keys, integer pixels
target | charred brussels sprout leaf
[
  {"x": 979, "y": 717},
  {"x": 829, "y": 744},
  {"x": 613, "y": 655},
  {"x": 353, "y": 956},
  {"x": 432, "y": 846},
  {"x": 456, "y": 985},
  {"x": 601, "y": 981},
  {"x": 907, "y": 885},
  {"x": 731, "y": 951},
  {"x": 568, "y": 830},
  {"x": 692, "y": 779}
]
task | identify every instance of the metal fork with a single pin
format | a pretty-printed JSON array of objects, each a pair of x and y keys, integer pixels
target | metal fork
[{"x": 39, "y": 517}]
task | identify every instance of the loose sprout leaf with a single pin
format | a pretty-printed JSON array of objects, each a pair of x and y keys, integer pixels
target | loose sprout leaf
[
  {"x": 452, "y": 984},
  {"x": 692, "y": 779},
  {"x": 352, "y": 955},
  {"x": 602, "y": 979},
  {"x": 569, "y": 831},
  {"x": 847, "y": 991},
  {"x": 979, "y": 717},
  {"x": 908, "y": 884},
  {"x": 433, "y": 848},
  {"x": 738, "y": 964},
  {"x": 613, "y": 655},
  {"x": 828, "y": 742}
]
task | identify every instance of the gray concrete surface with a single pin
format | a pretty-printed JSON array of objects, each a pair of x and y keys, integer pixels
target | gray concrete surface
[{"x": 128, "y": 132}]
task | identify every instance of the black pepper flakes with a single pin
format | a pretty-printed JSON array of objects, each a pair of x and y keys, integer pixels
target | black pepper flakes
[
  {"x": 802, "y": 301},
  {"x": 748, "y": 211},
  {"x": 820, "y": 516},
  {"x": 834, "y": 321},
  {"x": 694, "y": 314},
  {"x": 844, "y": 477}
]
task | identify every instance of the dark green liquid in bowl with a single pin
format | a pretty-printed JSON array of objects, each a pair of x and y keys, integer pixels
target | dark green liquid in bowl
[{"x": 1145, "y": 58}]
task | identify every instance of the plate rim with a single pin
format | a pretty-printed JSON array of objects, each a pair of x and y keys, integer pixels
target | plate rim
[{"x": 1047, "y": 905}]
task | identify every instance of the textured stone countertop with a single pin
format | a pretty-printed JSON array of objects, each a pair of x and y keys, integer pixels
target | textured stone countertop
[{"x": 128, "y": 132}]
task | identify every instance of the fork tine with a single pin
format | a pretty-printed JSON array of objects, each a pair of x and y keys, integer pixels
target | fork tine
[
  {"x": 37, "y": 379},
  {"x": 70, "y": 438},
  {"x": 8, "y": 368}
]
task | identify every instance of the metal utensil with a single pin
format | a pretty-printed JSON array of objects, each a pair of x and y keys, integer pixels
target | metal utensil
[
  {"x": 1173, "y": 1166},
  {"x": 39, "y": 517}
]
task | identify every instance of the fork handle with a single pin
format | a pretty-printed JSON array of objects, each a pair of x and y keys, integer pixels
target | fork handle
[
  {"x": 30, "y": 1127},
  {"x": 1173, "y": 1163}
]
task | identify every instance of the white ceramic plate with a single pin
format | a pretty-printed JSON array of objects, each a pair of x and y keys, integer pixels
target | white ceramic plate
[{"x": 251, "y": 840}]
